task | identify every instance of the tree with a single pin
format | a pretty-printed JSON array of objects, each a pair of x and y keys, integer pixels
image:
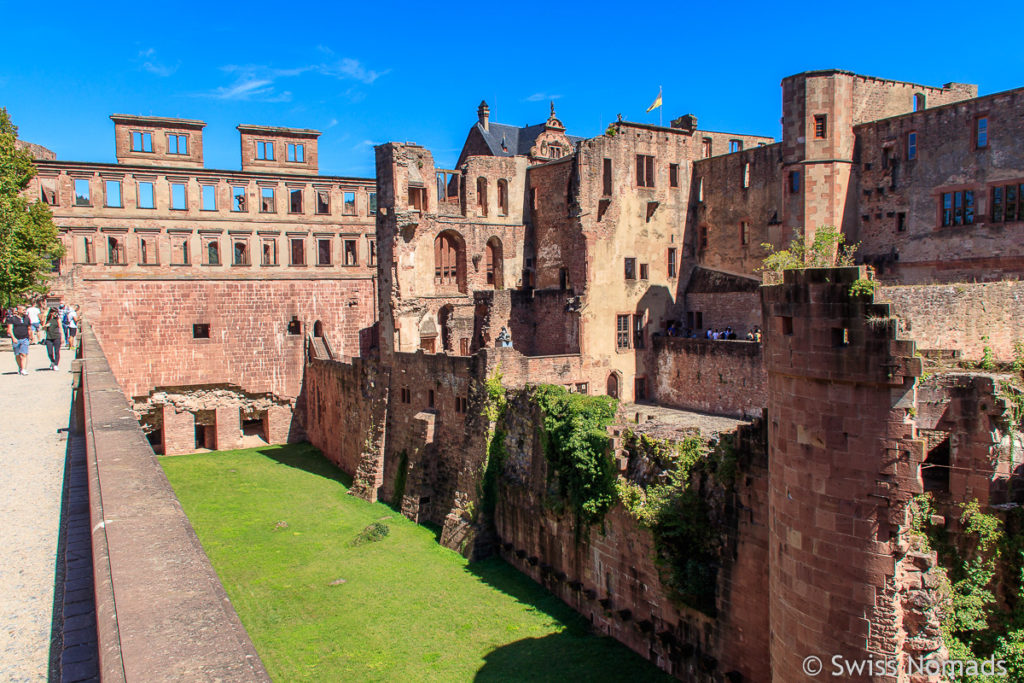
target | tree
[{"x": 28, "y": 238}]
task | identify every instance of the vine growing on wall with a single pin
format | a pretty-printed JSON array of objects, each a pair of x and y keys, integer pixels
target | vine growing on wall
[
  {"x": 575, "y": 441},
  {"x": 495, "y": 405}
]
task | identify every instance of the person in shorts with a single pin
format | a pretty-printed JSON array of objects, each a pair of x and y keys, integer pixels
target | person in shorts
[
  {"x": 33, "y": 314},
  {"x": 72, "y": 323},
  {"x": 18, "y": 327}
]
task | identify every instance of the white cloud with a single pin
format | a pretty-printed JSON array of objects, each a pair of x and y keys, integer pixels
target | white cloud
[
  {"x": 540, "y": 97},
  {"x": 351, "y": 68},
  {"x": 154, "y": 65},
  {"x": 331, "y": 124},
  {"x": 254, "y": 82}
]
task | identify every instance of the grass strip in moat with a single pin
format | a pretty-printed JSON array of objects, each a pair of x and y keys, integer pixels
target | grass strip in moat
[{"x": 278, "y": 527}]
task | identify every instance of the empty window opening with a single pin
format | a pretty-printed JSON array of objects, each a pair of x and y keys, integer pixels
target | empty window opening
[
  {"x": 673, "y": 175},
  {"x": 700, "y": 189},
  {"x": 602, "y": 208},
  {"x": 786, "y": 325},
  {"x": 638, "y": 331},
  {"x": 911, "y": 146},
  {"x": 644, "y": 170},
  {"x": 935, "y": 468},
  {"x": 349, "y": 203},
  {"x": 87, "y": 254},
  {"x": 371, "y": 250},
  {"x": 840, "y": 336},
  {"x": 958, "y": 208},
  {"x": 209, "y": 197},
  {"x": 113, "y": 193},
  {"x": 264, "y": 150},
  {"x": 430, "y": 398},
  {"x": 82, "y": 192},
  {"x": 373, "y": 203},
  {"x": 563, "y": 278},
  {"x": 294, "y": 326},
  {"x": 1008, "y": 203},
  {"x": 744, "y": 233},
  {"x": 622, "y": 331},
  {"x": 651, "y": 208},
  {"x": 481, "y": 195},
  {"x": 351, "y": 255},
  {"x": 418, "y": 198},
  {"x": 919, "y": 101},
  {"x": 115, "y": 251},
  {"x": 645, "y": 271},
  {"x": 735, "y": 146},
  {"x": 671, "y": 261},
  {"x": 821, "y": 126},
  {"x": 493, "y": 262},
  {"x": 142, "y": 142},
  {"x": 179, "y": 251},
  {"x": 295, "y": 200},
  {"x": 606, "y": 178},
  {"x": 449, "y": 260},
  {"x": 298, "y": 251},
  {"x": 147, "y": 251},
  {"x": 178, "y": 199},
  {"x": 269, "y": 252},
  {"x": 630, "y": 268},
  {"x": 241, "y": 252},
  {"x": 901, "y": 222},
  {"x": 794, "y": 182},
  {"x": 213, "y": 253},
  {"x": 533, "y": 199},
  {"x": 177, "y": 144},
  {"x": 705, "y": 147},
  {"x": 238, "y": 200},
  {"x": 502, "y": 197},
  {"x": 267, "y": 203},
  {"x": 48, "y": 191},
  {"x": 323, "y": 252},
  {"x": 461, "y": 404},
  {"x": 253, "y": 423},
  {"x": 296, "y": 152},
  {"x": 981, "y": 132},
  {"x": 323, "y": 202},
  {"x": 201, "y": 331},
  {"x": 746, "y": 175},
  {"x": 406, "y": 395}
]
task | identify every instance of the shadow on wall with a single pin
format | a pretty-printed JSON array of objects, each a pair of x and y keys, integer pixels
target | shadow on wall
[{"x": 306, "y": 457}]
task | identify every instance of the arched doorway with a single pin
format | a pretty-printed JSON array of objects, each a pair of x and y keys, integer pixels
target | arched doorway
[
  {"x": 318, "y": 329},
  {"x": 450, "y": 262},
  {"x": 613, "y": 385}
]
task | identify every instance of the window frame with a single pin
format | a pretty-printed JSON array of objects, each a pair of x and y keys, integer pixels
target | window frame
[
  {"x": 244, "y": 241},
  {"x": 144, "y": 138},
  {"x": 961, "y": 210},
  {"x": 645, "y": 170},
  {"x": 152, "y": 194},
  {"x": 294, "y": 192},
  {"x": 272, "y": 197},
  {"x": 629, "y": 268},
  {"x": 292, "y": 252},
  {"x": 88, "y": 192},
  {"x": 345, "y": 244},
  {"x": 320, "y": 242},
  {"x": 999, "y": 202},
  {"x": 106, "y": 194},
  {"x": 144, "y": 241},
  {"x": 623, "y": 331},
  {"x": 348, "y": 208},
  {"x": 671, "y": 259},
  {"x": 202, "y": 197},
  {"x": 214, "y": 242},
  {"x": 184, "y": 196},
  {"x": 981, "y": 133},
  {"x": 178, "y": 138},
  {"x": 296, "y": 153},
  {"x": 261, "y": 150},
  {"x": 322, "y": 192},
  {"x": 272, "y": 242},
  {"x": 181, "y": 241},
  {"x": 673, "y": 175},
  {"x": 821, "y": 126}
]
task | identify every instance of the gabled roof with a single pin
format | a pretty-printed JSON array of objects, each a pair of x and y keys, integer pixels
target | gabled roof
[{"x": 506, "y": 141}]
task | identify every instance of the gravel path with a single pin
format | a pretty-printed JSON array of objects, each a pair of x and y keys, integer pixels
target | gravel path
[{"x": 32, "y": 454}]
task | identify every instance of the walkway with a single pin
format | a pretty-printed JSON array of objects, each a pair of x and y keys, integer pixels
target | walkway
[{"x": 33, "y": 449}]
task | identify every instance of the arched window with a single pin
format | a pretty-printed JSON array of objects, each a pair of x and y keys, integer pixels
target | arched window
[
  {"x": 481, "y": 195},
  {"x": 450, "y": 262},
  {"x": 502, "y": 197},
  {"x": 318, "y": 329},
  {"x": 919, "y": 101},
  {"x": 494, "y": 262}
]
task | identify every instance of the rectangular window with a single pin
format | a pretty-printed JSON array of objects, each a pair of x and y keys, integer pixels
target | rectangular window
[
  {"x": 735, "y": 146},
  {"x": 264, "y": 150},
  {"x": 821, "y": 126},
  {"x": 82, "y": 192},
  {"x": 298, "y": 251},
  {"x": 178, "y": 202},
  {"x": 644, "y": 170},
  {"x": 673, "y": 175},
  {"x": 296, "y": 152},
  {"x": 179, "y": 251},
  {"x": 323, "y": 202},
  {"x": 269, "y": 257},
  {"x": 349, "y": 207},
  {"x": 142, "y": 142},
  {"x": 630, "y": 268},
  {"x": 418, "y": 198},
  {"x": 115, "y": 251},
  {"x": 606, "y": 178},
  {"x": 372, "y": 252},
  {"x": 267, "y": 203},
  {"x": 744, "y": 233},
  {"x": 700, "y": 190},
  {"x": 87, "y": 255},
  {"x": 463, "y": 350},
  {"x": 981, "y": 132},
  {"x": 901, "y": 222},
  {"x": 406, "y": 395},
  {"x": 212, "y": 251},
  {"x": 461, "y": 403},
  {"x": 671, "y": 261},
  {"x": 746, "y": 175},
  {"x": 958, "y": 208},
  {"x": 148, "y": 254},
  {"x": 177, "y": 144},
  {"x": 201, "y": 331},
  {"x": 703, "y": 237},
  {"x": 622, "y": 331},
  {"x": 114, "y": 194},
  {"x": 351, "y": 256},
  {"x": 911, "y": 146},
  {"x": 638, "y": 331},
  {"x": 209, "y": 197},
  {"x": 794, "y": 182},
  {"x": 238, "y": 200},
  {"x": 295, "y": 200},
  {"x": 705, "y": 147},
  {"x": 645, "y": 271},
  {"x": 373, "y": 203},
  {"x": 1008, "y": 203},
  {"x": 48, "y": 191},
  {"x": 323, "y": 252},
  {"x": 240, "y": 252}
]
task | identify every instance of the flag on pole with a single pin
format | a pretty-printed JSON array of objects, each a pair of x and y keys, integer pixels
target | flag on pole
[{"x": 656, "y": 103}]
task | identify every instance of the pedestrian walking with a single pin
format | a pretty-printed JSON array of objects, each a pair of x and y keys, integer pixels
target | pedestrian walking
[
  {"x": 18, "y": 327},
  {"x": 52, "y": 331},
  {"x": 33, "y": 314},
  {"x": 72, "y": 323}
]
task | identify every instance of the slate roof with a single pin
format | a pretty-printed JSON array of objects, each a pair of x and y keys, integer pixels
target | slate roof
[{"x": 506, "y": 141}]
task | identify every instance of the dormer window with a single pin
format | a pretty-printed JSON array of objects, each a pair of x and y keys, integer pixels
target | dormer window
[
  {"x": 296, "y": 153},
  {"x": 264, "y": 150},
  {"x": 142, "y": 142},
  {"x": 177, "y": 144}
]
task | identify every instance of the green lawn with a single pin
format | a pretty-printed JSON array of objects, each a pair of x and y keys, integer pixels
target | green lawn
[{"x": 277, "y": 525}]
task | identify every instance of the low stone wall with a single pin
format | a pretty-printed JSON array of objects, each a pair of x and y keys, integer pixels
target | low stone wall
[
  {"x": 720, "y": 377},
  {"x": 161, "y": 612}
]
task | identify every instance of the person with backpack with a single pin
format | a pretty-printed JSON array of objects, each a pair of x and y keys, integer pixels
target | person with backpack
[{"x": 52, "y": 333}]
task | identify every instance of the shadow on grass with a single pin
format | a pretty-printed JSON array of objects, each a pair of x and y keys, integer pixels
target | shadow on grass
[{"x": 308, "y": 458}]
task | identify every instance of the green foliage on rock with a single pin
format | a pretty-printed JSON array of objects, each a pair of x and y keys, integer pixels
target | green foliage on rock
[
  {"x": 28, "y": 237},
  {"x": 862, "y": 286},
  {"x": 576, "y": 446},
  {"x": 495, "y": 406},
  {"x": 371, "y": 533}
]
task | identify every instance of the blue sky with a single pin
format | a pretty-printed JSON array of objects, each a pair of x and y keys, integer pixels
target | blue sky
[{"x": 365, "y": 73}]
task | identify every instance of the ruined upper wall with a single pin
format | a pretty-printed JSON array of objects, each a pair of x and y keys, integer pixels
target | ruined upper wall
[{"x": 158, "y": 141}]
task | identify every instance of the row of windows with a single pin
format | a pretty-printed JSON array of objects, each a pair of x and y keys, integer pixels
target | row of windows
[
  {"x": 176, "y": 143},
  {"x": 114, "y": 250},
  {"x": 980, "y": 138},
  {"x": 1006, "y": 205},
  {"x": 461, "y": 402},
  {"x": 630, "y": 270},
  {"x": 296, "y": 152},
  {"x": 178, "y": 197}
]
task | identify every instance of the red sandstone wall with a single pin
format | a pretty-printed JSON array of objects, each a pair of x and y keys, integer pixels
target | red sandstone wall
[
  {"x": 542, "y": 323},
  {"x": 145, "y": 328},
  {"x": 721, "y": 377}
]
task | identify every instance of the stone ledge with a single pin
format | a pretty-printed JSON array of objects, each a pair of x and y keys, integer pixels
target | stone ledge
[{"x": 161, "y": 612}]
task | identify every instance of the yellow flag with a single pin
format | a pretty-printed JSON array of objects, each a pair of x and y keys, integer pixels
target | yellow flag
[{"x": 656, "y": 103}]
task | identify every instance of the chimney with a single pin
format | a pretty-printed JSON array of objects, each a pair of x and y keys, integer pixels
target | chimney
[
  {"x": 687, "y": 122},
  {"x": 484, "y": 112}
]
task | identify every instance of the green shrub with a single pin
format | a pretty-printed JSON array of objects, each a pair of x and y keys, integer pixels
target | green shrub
[
  {"x": 827, "y": 249},
  {"x": 371, "y": 534}
]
